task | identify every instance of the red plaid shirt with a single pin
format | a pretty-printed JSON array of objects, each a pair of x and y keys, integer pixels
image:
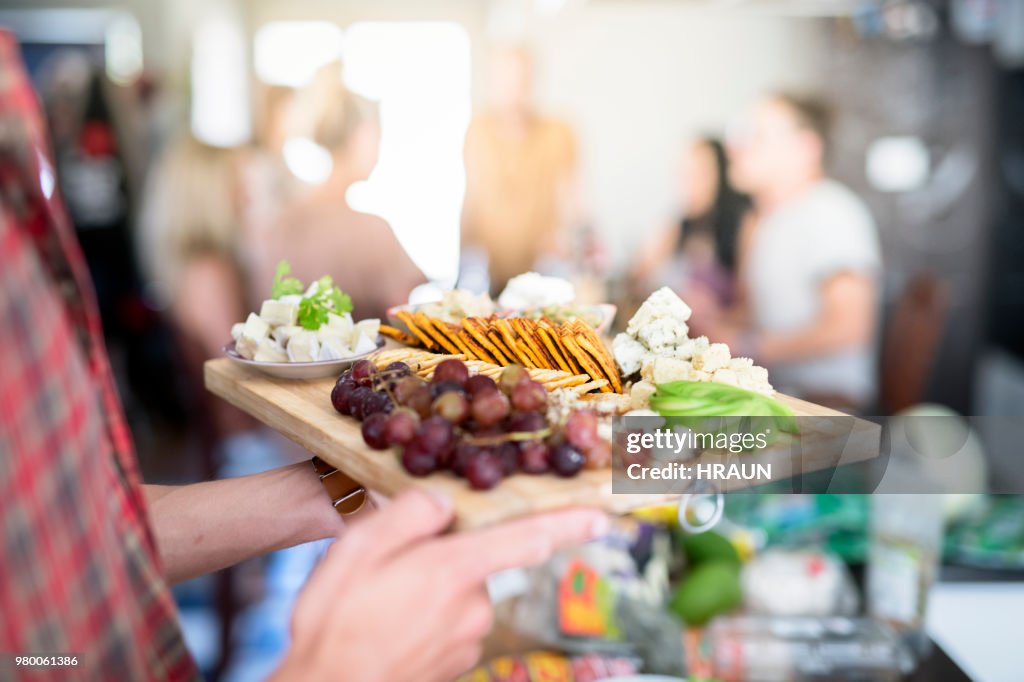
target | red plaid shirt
[{"x": 79, "y": 572}]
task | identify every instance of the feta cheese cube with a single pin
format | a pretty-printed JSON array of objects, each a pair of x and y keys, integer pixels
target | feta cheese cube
[
  {"x": 342, "y": 324},
  {"x": 726, "y": 376},
  {"x": 740, "y": 363},
  {"x": 332, "y": 347},
  {"x": 364, "y": 345},
  {"x": 662, "y": 334},
  {"x": 663, "y": 303},
  {"x": 671, "y": 369},
  {"x": 369, "y": 327},
  {"x": 254, "y": 331},
  {"x": 629, "y": 353},
  {"x": 640, "y": 395},
  {"x": 303, "y": 346},
  {"x": 284, "y": 333},
  {"x": 236, "y": 330},
  {"x": 712, "y": 359},
  {"x": 277, "y": 313},
  {"x": 270, "y": 351}
]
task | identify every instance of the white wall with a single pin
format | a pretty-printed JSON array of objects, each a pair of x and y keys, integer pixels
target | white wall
[{"x": 637, "y": 77}]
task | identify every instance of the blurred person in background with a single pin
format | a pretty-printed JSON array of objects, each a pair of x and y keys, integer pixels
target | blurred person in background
[
  {"x": 318, "y": 232},
  {"x": 87, "y": 551},
  {"x": 520, "y": 206},
  {"x": 700, "y": 247},
  {"x": 810, "y": 262}
]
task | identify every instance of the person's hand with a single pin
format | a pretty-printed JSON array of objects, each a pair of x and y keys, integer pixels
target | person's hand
[{"x": 393, "y": 600}]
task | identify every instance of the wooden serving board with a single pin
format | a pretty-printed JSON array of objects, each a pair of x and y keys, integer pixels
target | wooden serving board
[{"x": 301, "y": 410}]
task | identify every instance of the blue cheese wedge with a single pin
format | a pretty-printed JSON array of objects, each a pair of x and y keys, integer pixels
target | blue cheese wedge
[
  {"x": 629, "y": 353},
  {"x": 279, "y": 313},
  {"x": 663, "y": 304}
]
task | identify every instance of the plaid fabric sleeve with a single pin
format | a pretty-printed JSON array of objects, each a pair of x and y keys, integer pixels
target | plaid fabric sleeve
[{"x": 78, "y": 566}]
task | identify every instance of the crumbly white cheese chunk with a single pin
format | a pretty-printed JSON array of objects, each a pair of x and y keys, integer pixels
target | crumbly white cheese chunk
[
  {"x": 370, "y": 328},
  {"x": 364, "y": 345},
  {"x": 342, "y": 324},
  {"x": 254, "y": 331},
  {"x": 270, "y": 351},
  {"x": 303, "y": 346},
  {"x": 714, "y": 358},
  {"x": 629, "y": 353},
  {"x": 333, "y": 347},
  {"x": 663, "y": 334},
  {"x": 277, "y": 313},
  {"x": 663, "y": 303},
  {"x": 236, "y": 330},
  {"x": 640, "y": 394},
  {"x": 284, "y": 333}
]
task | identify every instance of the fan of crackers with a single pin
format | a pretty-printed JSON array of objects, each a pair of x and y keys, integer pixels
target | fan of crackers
[{"x": 572, "y": 347}]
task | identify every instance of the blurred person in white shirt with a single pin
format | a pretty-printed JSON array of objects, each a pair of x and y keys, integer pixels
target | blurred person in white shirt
[{"x": 810, "y": 264}]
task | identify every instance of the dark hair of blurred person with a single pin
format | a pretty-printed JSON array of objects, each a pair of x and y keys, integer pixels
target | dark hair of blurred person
[
  {"x": 318, "y": 233},
  {"x": 705, "y": 236},
  {"x": 810, "y": 261}
]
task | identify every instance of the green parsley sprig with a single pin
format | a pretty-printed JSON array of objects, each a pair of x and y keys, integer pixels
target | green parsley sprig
[{"x": 322, "y": 299}]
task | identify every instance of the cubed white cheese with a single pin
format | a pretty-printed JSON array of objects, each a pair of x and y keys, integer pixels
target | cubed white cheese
[
  {"x": 663, "y": 303},
  {"x": 246, "y": 347},
  {"x": 629, "y": 353},
  {"x": 364, "y": 345},
  {"x": 671, "y": 369},
  {"x": 334, "y": 348},
  {"x": 270, "y": 351},
  {"x": 278, "y": 313},
  {"x": 370, "y": 327},
  {"x": 726, "y": 376},
  {"x": 740, "y": 363},
  {"x": 342, "y": 324},
  {"x": 663, "y": 334},
  {"x": 303, "y": 346},
  {"x": 254, "y": 331},
  {"x": 640, "y": 395},
  {"x": 755, "y": 379},
  {"x": 712, "y": 359},
  {"x": 291, "y": 298},
  {"x": 284, "y": 333},
  {"x": 236, "y": 330}
]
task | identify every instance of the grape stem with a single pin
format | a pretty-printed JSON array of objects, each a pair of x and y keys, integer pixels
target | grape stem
[{"x": 485, "y": 441}]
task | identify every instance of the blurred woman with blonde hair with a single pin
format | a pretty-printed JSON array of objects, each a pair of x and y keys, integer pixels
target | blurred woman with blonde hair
[{"x": 319, "y": 233}]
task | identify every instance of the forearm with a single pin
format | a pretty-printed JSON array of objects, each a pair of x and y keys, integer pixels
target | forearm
[
  {"x": 813, "y": 341},
  {"x": 207, "y": 526}
]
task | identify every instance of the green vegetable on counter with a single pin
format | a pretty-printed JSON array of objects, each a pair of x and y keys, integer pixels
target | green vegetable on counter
[
  {"x": 314, "y": 307},
  {"x": 709, "y": 589}
]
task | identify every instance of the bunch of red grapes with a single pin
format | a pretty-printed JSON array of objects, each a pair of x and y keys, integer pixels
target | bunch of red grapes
[{"x": 477, "y": 428}]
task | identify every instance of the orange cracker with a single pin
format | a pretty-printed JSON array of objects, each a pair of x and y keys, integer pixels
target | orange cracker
[
  {"x": 522, "y": 327},
  {"x": 475, "y": 328},
  {"x": 586, "y": 342},
  {"x": 410, "y": 322},
  {"x": 587, "y": 362},
  {"x": 427, "y": 325},
  {"x": 508, "y": 335},
  {"x": 499, "y": 342},
  {"x": 478, "y": 351},
  {"x": 554, "y": 349}
]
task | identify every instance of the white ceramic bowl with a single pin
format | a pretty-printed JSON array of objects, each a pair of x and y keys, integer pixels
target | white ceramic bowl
[{"x": 300, "y": 370}]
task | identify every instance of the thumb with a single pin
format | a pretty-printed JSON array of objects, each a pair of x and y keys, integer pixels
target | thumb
[{"x": 413, "y": 515}]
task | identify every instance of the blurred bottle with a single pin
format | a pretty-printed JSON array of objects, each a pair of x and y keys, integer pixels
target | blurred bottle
[{"x": 903, "y": 558}]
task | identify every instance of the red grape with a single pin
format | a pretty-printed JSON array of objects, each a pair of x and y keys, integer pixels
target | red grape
[
  {"x": 413, "y": 392},
  {"x": 528, "y": 422},
  {"x": 464, "y": 451},
  {"x": 529, "y": 396},
  {"x": 401, "y": 426},
  {"x": 438, "y": 388},
  {"x": 478, "y": 383},
  {"x": 512, "y": 375},
  {"x": 489, "y": 407},
  {"x": 434, "y": 435},
  {"x": 374, "y": 430},
  {"x": 363, "y": 372},
  {"x": 508, "y": 455},
  {"x": 417, "y": 460},
  {"x": 451, "y": 370},
  {"x": 566, "y": 460},
  {"x": 375, "y": 402},
  {"x": 355, "y": 401},
  {"x": 534, "y": 456},
  {"x": 341, "y": 395},
  {"x": 397, "y": 369},
  {"x": 483, "y": 471},
  {"x": 581, "y": 429},
  {"x": 452, "y": 406}
]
